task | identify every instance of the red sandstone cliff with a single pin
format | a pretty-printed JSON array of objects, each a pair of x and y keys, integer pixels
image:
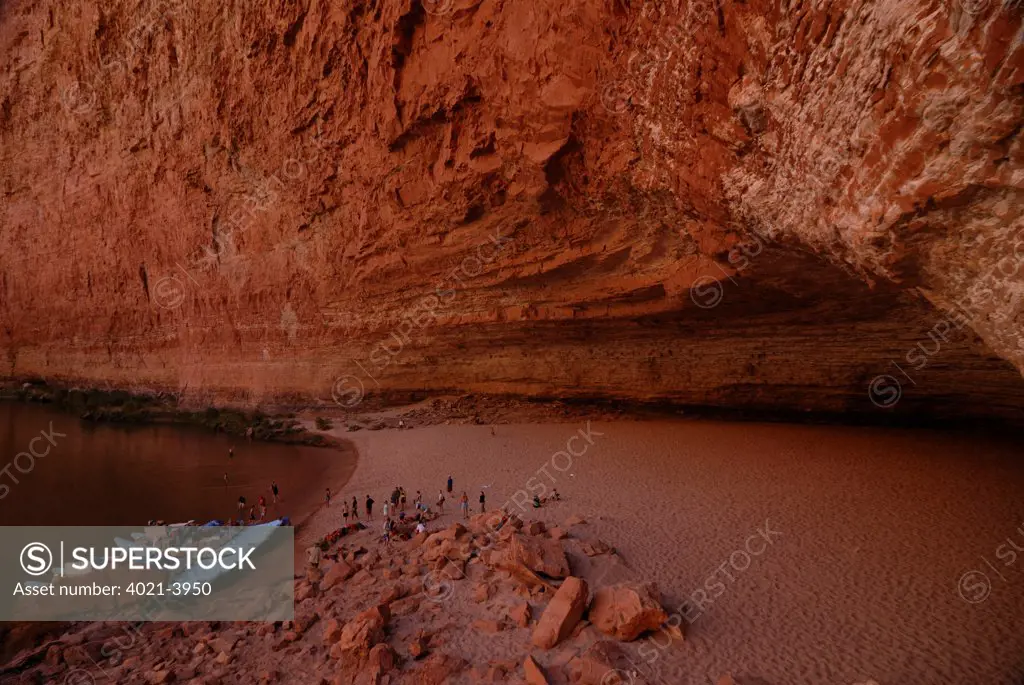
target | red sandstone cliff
[{"x": 720, "y": 202}]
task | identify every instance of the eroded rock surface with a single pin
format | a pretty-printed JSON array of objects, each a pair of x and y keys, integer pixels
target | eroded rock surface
[{"x": 755, "y": 204}]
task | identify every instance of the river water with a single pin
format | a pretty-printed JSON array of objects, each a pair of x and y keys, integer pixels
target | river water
[{"x": 102, "y": 474}]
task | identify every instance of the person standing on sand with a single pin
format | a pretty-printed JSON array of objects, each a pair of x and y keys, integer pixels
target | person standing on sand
[
  {"x": 482, "y": 502},
  {"x": 241, "y": 505},
  {"x": 355, "y": 508},
  {"x": 387, "y": 513},
  {"x": 327, "y": 498},
  {"x": 231, "y": 452},
  {"x": 273, "y": 488},
  {"x": 464, "y": 504},
  {"x": 416, "y": 502},
  {"x": 450, "y": 483},
  {"x": 369, "y": 508},
  {"x": 344, "y": 510},
  {"x": 225, "y": 479},
  {"x": 401, "y": 499},
  {"x": 440, "y": 502}
]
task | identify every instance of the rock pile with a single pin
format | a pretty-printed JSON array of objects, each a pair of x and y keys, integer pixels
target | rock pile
[{"x": 494, "y": 600}]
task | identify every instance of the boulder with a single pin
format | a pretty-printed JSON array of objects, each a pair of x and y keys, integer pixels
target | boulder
[
  {"x": 439, "y": 669},
  {"x": 305, "y": 591},
  {"x": 626, "y": 610},
  {"x": 487, "y": 626},
  {"x": 304, "y": 619},
  {"x": 536, "y": 528},
  {"x": 405, "y": 606},
  {"x": 362, "y": 577},
  {"x": 393, "y": 593},
  {"x": 159, "y": 677},
  {"x": 418, "y": 647},
  {"x": 453, "y": 569},
  {"x": 84, "y": 654},
  {"x": 604, "y": 663},
  {"x": 443, "y": 550},
  {"x": 593, "y": 548},
  {"x": 451, "y": 533},
  {"x": 336, "y": 574},
  {"x": 541, "y": 555},
  {"x": 55, "y": 655},
  {"x": 562, "y": 614},
  {"x": 485, "y": 523},
  {"x": 332, "y": 631},
  {"x": 361, "y": 634},
  {"x": 534, "y": 674},
  {"x": 520, "y": 614},
  {"x": 381, "y": 660},
  {"x": 416, "y": 541},
  {"x": 229, "y": 642}
]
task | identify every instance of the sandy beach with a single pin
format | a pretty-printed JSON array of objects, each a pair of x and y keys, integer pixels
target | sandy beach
[{"x": 793, "y": 554}]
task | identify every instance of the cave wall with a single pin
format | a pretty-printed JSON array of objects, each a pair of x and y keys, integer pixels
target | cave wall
[{"x": 765, "y": 204}]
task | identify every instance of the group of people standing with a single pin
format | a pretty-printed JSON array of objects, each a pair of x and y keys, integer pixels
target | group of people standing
[
  {"x": 353, "y": 510},
  {"x": 398, "y": 501},
  {"x": 258, "y": 511},
  {"x": 396, "y": 504}
]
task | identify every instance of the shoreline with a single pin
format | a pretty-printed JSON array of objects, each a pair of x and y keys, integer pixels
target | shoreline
[
  {"x": 330, "y": 465},
  {"x": 337, "y": 484},
  {"x": 117, "y": 407},
  {"x": 176, "y": 406}
]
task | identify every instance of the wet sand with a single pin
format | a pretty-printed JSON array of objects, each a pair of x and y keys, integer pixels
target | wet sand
[{"x": 799, "y": 554}]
